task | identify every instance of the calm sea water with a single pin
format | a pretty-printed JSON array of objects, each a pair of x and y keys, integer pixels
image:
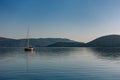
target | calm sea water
[{"x": 60, "y": 64}]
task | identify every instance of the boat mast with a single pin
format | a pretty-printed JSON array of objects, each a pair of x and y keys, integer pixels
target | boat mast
[{"x": 28, "y": 45}]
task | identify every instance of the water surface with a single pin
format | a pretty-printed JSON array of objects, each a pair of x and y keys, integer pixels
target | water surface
[{"x": 60, "y": 64}]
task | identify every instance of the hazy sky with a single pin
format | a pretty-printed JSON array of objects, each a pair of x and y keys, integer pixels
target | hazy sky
[{"x": 80, "y": 20}]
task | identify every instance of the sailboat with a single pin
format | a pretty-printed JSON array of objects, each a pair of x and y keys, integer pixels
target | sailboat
[{"x": 28, "y": 48}]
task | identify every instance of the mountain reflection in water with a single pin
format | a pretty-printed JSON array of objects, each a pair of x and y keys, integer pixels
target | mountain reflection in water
[{"x": 107, "y": 52}]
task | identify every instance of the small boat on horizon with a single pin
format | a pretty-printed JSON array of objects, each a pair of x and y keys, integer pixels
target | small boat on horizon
[{"x": 29, "y": 48}]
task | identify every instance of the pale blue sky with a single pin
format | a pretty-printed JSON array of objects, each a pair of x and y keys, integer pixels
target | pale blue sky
[{"x": 80, "y": 20}]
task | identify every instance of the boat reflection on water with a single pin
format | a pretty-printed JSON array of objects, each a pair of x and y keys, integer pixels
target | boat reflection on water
[{"x": 28, "y": 60}]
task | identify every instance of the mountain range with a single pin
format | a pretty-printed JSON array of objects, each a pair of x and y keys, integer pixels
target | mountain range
[
  {"x": 104, "y": 41},
  {"x": 39, "y": 42}
]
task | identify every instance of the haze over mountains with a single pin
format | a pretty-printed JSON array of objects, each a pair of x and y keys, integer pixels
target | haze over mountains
[{"x": 104, "y": 41}]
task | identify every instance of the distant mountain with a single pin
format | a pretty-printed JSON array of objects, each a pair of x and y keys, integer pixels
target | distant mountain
[
  {"x": 48, "y": 41},
  {"x": 67, "y": 44},
  {"x": 6, "y": 42},
  {"x": 3, "y": 39},
  {"x": 105, "y": 41}
]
